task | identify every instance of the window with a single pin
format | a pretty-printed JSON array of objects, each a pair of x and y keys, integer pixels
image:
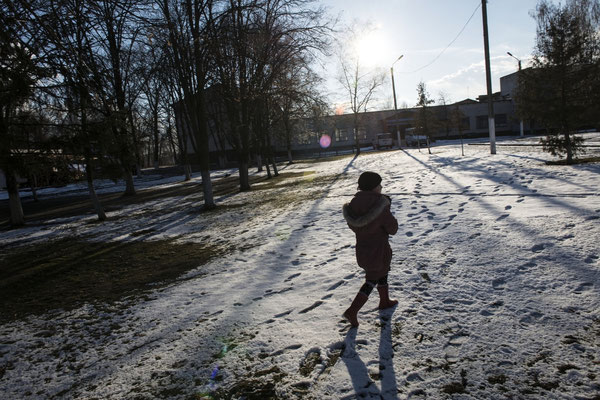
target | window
[
  {"x": 305, "y": 137},
  {"x": 482, "y": 122},
  {"x": 362, "y": 133},
  {"x": 500, "y": 119},
  {"x": 465, "y": 123},
  {"x": 341, "y": 135}
]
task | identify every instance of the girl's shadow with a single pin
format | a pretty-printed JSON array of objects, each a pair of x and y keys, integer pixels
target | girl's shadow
[{"x": 363, "y": 382}]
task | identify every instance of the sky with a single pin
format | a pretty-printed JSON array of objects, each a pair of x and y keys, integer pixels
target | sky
[{"x": 421, "y": 30}]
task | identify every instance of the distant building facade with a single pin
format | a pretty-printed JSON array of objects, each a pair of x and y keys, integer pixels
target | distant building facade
[{"x": 473, "y": 116}]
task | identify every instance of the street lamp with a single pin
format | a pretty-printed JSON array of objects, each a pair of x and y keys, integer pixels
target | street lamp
[
  {"x": 521, "y": 121},
  {"x": 394, "y": 91},
  {"x": 509, "y": 53}
]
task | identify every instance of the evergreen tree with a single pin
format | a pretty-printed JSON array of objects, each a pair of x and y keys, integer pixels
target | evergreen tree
[{"x": 561, "y": 90}]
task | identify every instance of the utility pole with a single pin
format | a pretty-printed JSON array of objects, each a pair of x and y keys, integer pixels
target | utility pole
[
  {"x": 395, "y": 104},
  {"x": 519, "y": 74},
  {"x": 488, "y": 78}
]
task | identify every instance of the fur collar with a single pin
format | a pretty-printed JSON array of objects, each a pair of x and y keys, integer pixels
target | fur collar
[{"x": 364, "y": 220}]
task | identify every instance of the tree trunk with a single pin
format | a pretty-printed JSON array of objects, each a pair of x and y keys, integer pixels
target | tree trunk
[
  {"x": 93, "y": 195},
  {"x": 129, "y": 185},
  {"x": 33, "y": 182},
  {"x": 259, "y": 163},
  {"x": 356, "y": 139},
  {"x": 17, "y": 218},
  {"x": 569, "y": 148},
  {"x": 187, "y": 170},
  {"x": 209, "y": 201},
  {"x": 156, "y": 139},
  {"x": 244, "y": 179},
  {"x": 268, "y": 170},
  {"x": 275, "y": 171},
  {"x": 138, "y": 158},
  {"x": 288, "y": 140}
]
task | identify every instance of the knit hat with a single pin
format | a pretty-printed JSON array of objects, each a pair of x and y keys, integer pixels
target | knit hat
[{"x": 368, "y": 180}]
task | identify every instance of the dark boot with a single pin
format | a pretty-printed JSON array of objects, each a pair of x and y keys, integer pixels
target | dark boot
[
  {"x": 351, "y": 313},
  {"x": 384, "y": 298}
]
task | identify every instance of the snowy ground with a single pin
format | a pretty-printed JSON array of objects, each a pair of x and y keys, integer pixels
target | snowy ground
[{"x": 496, "y": 267}]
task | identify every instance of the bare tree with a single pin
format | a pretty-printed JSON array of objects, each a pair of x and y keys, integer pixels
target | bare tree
[
  {"x": 116, "y": 36},
  {"x": 426, "y": 121},
  {"x": 188, "y": 24},
  {"x": 19, "y": 71},
  {"x": 254, "y": 43},
  {"x": 358, "y": 81},
  {"x": 457, "y": 119},
  {"x": 76, "y": 86},
  {"x": 444, "y": 114}
]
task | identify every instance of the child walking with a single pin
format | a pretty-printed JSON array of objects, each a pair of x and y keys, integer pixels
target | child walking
[{"x": 370, "y": 217}]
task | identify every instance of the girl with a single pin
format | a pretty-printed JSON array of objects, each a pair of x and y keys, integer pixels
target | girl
[{"x": 370, "y": 217}]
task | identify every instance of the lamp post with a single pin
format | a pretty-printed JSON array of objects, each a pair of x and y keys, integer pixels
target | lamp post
[
  {"x": 521, "y": 120},
  {"x": 394, "y": 91}
]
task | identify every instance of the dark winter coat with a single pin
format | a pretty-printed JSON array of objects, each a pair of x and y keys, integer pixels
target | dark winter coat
[{"x": 370, "y": 217}]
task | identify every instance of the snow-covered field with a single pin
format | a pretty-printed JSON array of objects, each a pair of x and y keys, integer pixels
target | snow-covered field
[{"x": 496, "y": 268}]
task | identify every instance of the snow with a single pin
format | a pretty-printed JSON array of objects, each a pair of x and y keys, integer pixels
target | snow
[{"x": 496, "y": 269}]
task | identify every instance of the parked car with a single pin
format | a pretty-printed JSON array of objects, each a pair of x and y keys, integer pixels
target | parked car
[
  {"x": 415, "y": 140},
  {"x": 383, "y": 140}
]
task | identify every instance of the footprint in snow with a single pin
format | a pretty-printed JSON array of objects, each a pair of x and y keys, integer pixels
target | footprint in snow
[
  {"x": 280, "y": 352},
  {"x": 312, "y": 307},
  {"x": 289, "y": 278},
  {"x": 498, "y": 284},
  {"x": 283, "y": 314},
  {"x": 541, "y": 246},
  {"x": 503, "y": 216},
  {"x": 583, "y": 287},
  {"x": 525, "y": 267},
  {"x": 531, "y": 317},
  {"x": 458, "y": 339},
  {"x": 336, "y": 285},
  {"x": 507, "y": 208},
  {"x": 592, "y": 258}
]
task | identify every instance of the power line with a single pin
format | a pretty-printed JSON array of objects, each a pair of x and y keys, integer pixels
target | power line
[{"x": 446, "y": 48}]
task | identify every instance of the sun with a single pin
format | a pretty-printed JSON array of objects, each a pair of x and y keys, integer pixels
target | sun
[{"x": 373, "y": 49}]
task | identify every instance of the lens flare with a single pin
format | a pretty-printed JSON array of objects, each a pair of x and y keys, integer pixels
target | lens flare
[{"x": 325, "y": 141}]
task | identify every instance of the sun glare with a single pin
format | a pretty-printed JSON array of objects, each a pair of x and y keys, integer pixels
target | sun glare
[{"x": 373, "y": 49}]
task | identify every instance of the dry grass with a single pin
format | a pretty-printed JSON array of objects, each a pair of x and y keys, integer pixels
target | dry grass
[{"x": 66, "y": 273}]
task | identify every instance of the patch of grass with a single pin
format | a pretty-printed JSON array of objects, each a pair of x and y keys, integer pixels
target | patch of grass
[
  {"x": 565, "y": 367},
  {"x": 309, "y": 363},
  {"x": 586, "y": 160},
  {"x": 453, "y": 388},
  {"x": 66, "y": 273},
  {"x": 261, "y": 385},
  {"x": 326, "y": 159},
  {"x": 497, "y": 379}
]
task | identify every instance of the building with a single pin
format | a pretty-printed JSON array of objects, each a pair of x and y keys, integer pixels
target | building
[{"x": 471, "y": 115}]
